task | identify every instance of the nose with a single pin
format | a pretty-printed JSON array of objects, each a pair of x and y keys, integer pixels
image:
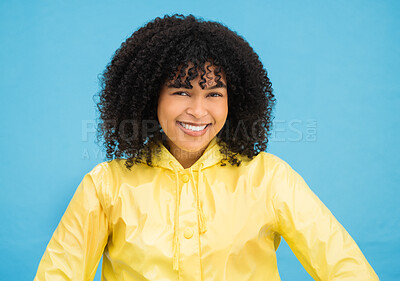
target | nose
[{"x": 197, "y": 107}]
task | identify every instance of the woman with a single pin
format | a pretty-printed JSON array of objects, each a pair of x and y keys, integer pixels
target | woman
[{"x": 189, "y": 193}]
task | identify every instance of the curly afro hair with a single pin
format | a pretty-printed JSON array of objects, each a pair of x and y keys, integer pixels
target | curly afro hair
[{"x": 151, "y": 57}]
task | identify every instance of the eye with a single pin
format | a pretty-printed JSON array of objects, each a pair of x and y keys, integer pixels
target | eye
[
  {"x": 180, "y": 93},
  {"x": 215, "y": 95}
]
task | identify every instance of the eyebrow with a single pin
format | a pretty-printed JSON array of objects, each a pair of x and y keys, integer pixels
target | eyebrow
[{"x": 208, "y": 88}]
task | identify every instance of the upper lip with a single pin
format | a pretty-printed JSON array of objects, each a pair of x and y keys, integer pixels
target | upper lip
[{"x": 194, "y": 124}]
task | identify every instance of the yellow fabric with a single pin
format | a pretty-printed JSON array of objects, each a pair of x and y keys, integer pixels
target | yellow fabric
[{"x": 207, "y": 222}]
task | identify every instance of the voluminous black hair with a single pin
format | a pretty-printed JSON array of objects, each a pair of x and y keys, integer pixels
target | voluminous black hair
[{"x": 152, "y": 56}]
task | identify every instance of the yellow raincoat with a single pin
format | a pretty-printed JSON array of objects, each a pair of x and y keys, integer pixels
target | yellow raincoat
[{"x": 207, "y": 222}]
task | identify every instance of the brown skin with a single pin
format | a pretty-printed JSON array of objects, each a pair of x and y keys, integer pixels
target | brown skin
[{"x": 197, "y": 106}]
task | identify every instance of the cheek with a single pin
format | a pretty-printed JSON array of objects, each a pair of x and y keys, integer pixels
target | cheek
[
  {"x": 164, "y": 110},
  {"x": 221, "y": 112}
]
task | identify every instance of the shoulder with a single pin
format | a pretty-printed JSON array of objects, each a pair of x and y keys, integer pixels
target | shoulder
[
  {"x": 106, "y": 173},
  {"x": 113, "y": 167},
  {"x": 270, "y": 158},
  {"x": 107, "y": 177},
  {"x": 269, "y": 163},
  {"x": 113, "y": 172}
]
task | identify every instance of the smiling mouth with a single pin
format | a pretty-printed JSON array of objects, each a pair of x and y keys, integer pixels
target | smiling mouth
[{"x": 194, "y": 128}]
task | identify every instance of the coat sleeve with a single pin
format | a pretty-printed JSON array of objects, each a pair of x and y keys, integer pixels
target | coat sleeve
[
  {"x": 318, "y": 240},
  {"x": 77, "y": 244}
]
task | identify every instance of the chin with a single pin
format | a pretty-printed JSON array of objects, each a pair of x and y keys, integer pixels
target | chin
[{"x": 194, "y": 147}]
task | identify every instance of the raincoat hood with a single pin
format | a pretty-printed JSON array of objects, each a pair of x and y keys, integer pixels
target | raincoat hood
[{"x": 210, "y": 157}]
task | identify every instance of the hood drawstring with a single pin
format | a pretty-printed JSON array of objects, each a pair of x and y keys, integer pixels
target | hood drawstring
[
  {"x": 175, "y": 243},
  {"x": 200, "y": 213}
]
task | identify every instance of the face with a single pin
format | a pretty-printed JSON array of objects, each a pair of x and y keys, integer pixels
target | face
[{"x": 191, "y": 118}]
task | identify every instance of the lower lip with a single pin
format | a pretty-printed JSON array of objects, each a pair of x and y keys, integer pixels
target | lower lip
[{"x": 193, "y": 133}]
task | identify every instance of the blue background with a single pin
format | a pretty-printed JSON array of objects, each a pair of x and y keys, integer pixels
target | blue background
[{"x": 334, "y": 66}]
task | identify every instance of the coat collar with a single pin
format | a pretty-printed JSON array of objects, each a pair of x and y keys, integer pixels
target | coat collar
[{"x": 210, "y": 157}]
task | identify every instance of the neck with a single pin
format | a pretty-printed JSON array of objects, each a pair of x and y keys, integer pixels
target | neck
[{"x": 185, "y": 158}]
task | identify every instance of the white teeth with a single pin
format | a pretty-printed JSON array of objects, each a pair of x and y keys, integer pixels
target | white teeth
[{"x": 193, "y": 128}]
